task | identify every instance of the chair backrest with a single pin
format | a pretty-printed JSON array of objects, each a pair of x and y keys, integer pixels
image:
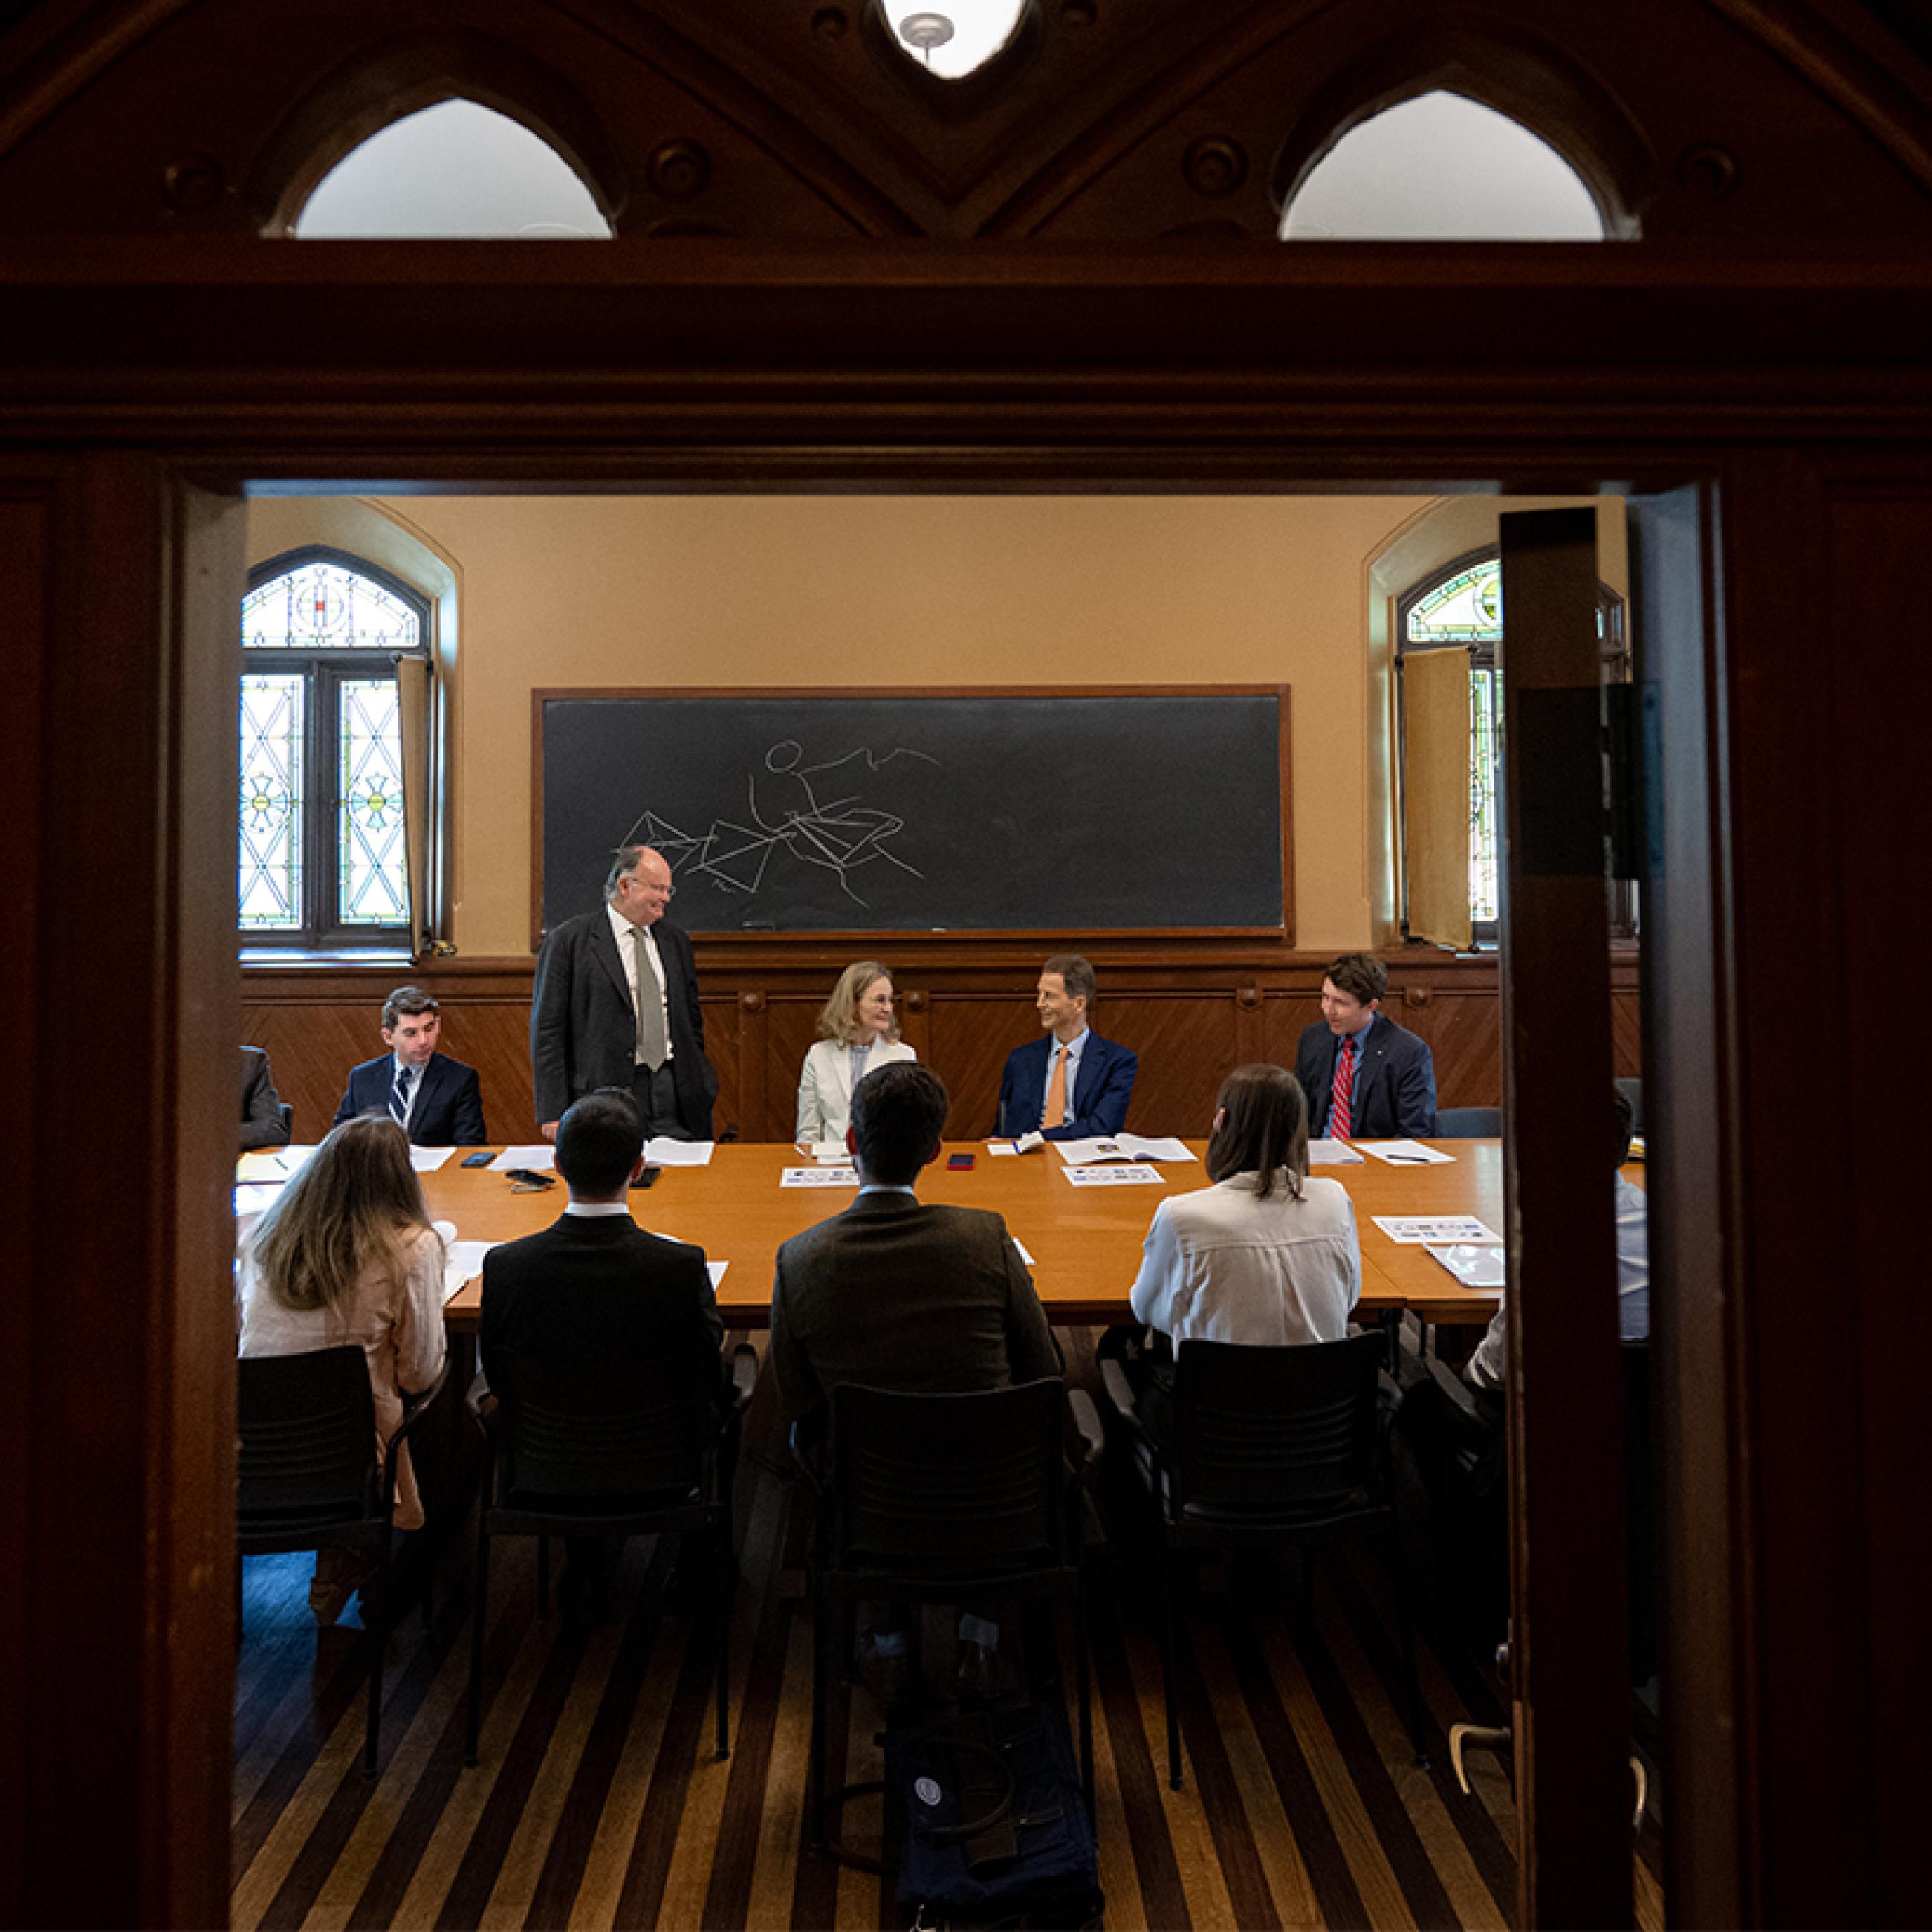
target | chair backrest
[
  {"x": 1469, "y": 1123},
  {"x": 593, "y": 1426},
  {"x": 1288, "y": 1431},
  {"x": 288, "y": 1121},
  {"x": 307, "y": 1450},
  {"x": 946, "y": 1485},
  {"x": 1631, "y": 1088}
]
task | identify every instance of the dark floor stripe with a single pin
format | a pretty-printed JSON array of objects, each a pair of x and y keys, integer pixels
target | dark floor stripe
[
  {"x": 1241, "y": 1870},
  {"x": 1401, "y": 1844},
  {"x": 814, "y": 1892},
  {"x": 1322, "y": 1854},
  {"x": 651, "y": 1850},
  {"x": 1492, "y": 1853},
  {"x": 582, "y": 1809},
  {"x": 1163, "y": 1899}
]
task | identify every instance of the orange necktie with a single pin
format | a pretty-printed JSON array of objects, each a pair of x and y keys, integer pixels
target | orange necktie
[{"x": 1055, "y": 1115}]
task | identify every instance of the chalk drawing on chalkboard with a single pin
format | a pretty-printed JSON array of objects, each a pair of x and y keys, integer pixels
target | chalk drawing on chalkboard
[{"x": 840, "y": 834}]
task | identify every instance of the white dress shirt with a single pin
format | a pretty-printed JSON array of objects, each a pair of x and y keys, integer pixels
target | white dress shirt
[
  {"x": 622, "y": 928},
  {"x": 1221, "y": 1266}
]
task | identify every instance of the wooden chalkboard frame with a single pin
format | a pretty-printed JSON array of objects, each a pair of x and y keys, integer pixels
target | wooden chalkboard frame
[{"x": 1283, "y": 934}]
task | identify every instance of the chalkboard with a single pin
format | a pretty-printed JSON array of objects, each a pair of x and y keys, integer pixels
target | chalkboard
[{"x": 1054, "y": 813}]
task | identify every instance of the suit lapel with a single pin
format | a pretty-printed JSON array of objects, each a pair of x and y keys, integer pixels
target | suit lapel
[
  {"x": 428, "y": 1091},
  {"x": 604, "y": 949},
  {"x": 1373, "y": 1043}
]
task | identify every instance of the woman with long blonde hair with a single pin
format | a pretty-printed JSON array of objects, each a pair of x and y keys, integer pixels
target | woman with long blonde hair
[
  {"x": 346, "y": 1253},
  {"x": 859, "y": 1030}
]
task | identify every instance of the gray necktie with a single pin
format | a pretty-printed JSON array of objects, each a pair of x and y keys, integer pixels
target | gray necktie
[
  {"x": 400, "y": 1089},
  {"x": 651, "y": 1043}
]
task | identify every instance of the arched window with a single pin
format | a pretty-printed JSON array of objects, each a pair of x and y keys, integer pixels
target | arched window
[
  {"x": 1449, "y": 725},
  {"x": 1443, "y": 168},
  {"x": 452, "y": 170},
  {"x": 324, "y": 838}
]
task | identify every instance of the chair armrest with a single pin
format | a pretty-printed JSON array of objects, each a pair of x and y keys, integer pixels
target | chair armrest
[
  {"x": 1087, "y": 1422},
  {"x": 415, "y": 1406},
  {"x": 744, "y": 1376},
  {"x": 480, "y": 1403}
]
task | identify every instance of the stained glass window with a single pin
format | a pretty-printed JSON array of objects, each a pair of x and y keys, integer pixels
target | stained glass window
[
  {"x": 1462, "y": 606},
  {"x": 323, "y": 853}
]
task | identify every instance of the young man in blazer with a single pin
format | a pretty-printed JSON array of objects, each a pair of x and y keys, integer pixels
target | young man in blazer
[
  {"x": 1069, "y": 1084},
  {"x": 437, "y": 1101},
  {"x": 1365, "y": 1077},
  {"x": 588, "y": 1028}
]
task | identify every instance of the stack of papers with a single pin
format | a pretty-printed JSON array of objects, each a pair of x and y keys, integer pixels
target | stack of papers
[
  {"x": 1333, "y": 1153},
  {"x": 665, "y": 1152},
  {"x": 427, "y": 1160},
  {"x": 542, "y": 1157},
  {"x": 271, "y": 1166},
  {"x": 1122, "y": 1146},
  {"x": 1406, "y": 1154},
  {"x": 1473, "y": 1266},
  {"x": 1411, "y": 1229},
  {"x": 1137, "y": 1175},
  {"x": 462, "y": 1263}
]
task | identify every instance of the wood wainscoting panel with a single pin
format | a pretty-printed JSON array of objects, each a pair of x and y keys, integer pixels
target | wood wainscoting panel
[{"x": 1191, "y": 1018}]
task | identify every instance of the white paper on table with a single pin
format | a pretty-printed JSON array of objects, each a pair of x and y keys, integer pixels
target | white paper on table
[
  {"x": 462, "y": 1263},
  {"x": 818, "y": 1177},
  {"x": 251, "y": 1198},
  {"x": 716, "y": 1269},
  {"x": 832, "y": 1153},
  {"x": 1405, "y": 1153},
  {"x": 427, "y": 1160},
  {"x": 271, "y": 1165},
  {"x": 542, "y": 1157},
  {"x": 1023, "y": 1256},
  {"x": 1025, "y": 1144},
  {"x": 1001, "y": 1147},
  {"x": 1121, "y": 1146},
  {"x": 665, "y": 1152},
  {"x": 1333, "y": 1153},
  {"x": 1417, "y": 1229},
  {"x": 1137, "y": 1175},
  {"x": 1473, "y": 1266}
]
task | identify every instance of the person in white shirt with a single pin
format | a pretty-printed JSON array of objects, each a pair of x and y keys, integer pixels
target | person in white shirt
[
  {"x": 1266, "y": 1256},
  {"x": 859, "y": 1029},
  {"x": 346, "y": 1252}
]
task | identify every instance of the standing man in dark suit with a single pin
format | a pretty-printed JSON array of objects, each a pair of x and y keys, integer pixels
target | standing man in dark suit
[
  {"x": 594, "y": 1284},
  {"x": 1069, "y": 1084},
  {"x": 262, "y": 1122},
  {"x": 588, "y": 1028},
  {"x": 1365, "y": 1077},
  {"x": 437, "y": 1101}
]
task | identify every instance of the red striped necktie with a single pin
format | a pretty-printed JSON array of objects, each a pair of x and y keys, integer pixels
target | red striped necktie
[{"x": 1341, "y": 1102}]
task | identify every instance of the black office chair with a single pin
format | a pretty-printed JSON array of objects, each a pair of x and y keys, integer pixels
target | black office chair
[
  {"x": 1469, "y": 1123},
  {"x": 1271, "y": 1448},
  {"x": 592, "y": 1447},
  {"x": 308, "y": 1476},
  {"x": 943, "y": 1499},
  {"x": 1631, "y": 1088}
]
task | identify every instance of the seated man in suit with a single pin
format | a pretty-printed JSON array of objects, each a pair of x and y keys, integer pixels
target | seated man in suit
[
  {"x": 897, "y": 1293},
  {"x": 1365, "y": 1077},
  {"x": 437, "y": 1101},
  {"x": 1069, "y": 1084},
  {"x": 262, "y": 1122},
  {"x": 594, "y": 1283}
]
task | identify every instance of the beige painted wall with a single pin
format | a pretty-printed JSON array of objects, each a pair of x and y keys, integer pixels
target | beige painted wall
[{"x": 880, "y": 591}]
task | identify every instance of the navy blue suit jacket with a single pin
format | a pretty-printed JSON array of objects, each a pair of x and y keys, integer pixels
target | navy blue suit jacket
[
  {"x": 1101, "y": 1091},
  {"x": 1395, "y": 1082},
  {"x": 448, "y": 1108}
]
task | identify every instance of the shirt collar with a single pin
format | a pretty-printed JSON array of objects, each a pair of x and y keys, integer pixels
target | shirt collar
[
  {"x": 1075, "y": 1047},
  {"x": 887, "y": 1187},
  {"x": 592, "y": 1210},
  {"x": 621, "y": 927}
]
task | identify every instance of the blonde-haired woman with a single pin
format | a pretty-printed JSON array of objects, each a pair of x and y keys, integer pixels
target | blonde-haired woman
[
  {"x": 346, "y": 1253},
  {"x": 860, "y": 1030}
]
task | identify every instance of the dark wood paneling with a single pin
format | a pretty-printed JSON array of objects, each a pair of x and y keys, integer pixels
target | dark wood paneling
[{"x": 964, "y": 1009}]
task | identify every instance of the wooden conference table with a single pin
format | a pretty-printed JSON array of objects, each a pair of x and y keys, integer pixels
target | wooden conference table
[{"x": 1085, "y": 1242}]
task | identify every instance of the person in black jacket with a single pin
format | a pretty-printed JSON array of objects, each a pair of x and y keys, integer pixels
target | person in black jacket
[
  {"x": 594, "y": 1284},
  {"x": 588, "y": 1028},
  {"x": 438, "y": 1101}
]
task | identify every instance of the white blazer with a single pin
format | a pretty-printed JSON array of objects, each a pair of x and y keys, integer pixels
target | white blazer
[{"x": 825, "y": 1087}]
